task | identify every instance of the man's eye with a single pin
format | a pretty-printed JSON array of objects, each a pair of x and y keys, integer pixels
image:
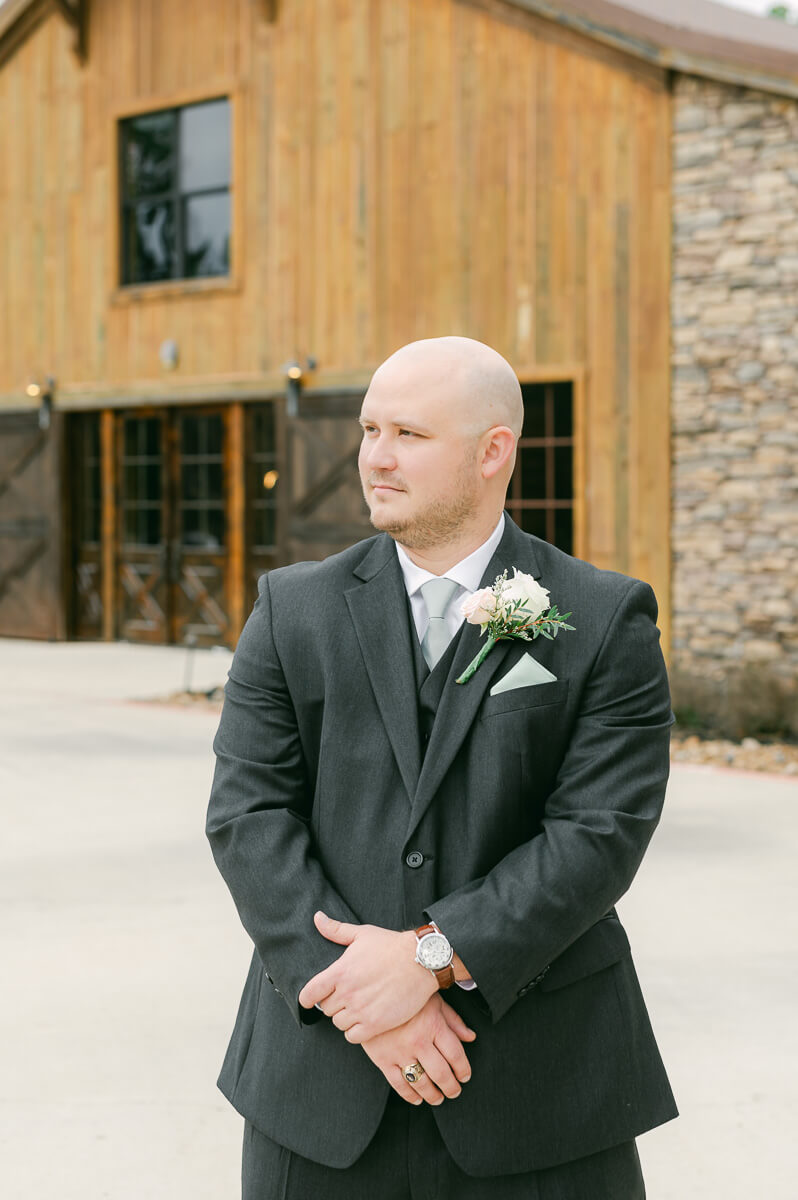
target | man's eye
[{"x": 406, "y": 433}]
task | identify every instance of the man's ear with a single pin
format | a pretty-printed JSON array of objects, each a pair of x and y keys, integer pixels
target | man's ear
[{"x": 498, "y": 448}]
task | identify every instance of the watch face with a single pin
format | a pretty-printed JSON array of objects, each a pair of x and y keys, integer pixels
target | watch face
[{"x": 434, "y": 951}]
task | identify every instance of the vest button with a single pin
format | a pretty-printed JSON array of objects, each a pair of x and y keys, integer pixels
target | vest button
[{"x": 415, "y": 858}]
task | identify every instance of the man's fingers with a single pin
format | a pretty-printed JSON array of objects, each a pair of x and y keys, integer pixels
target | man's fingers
[
  {"x": 436, "y": 1072},
  {"x": 342, "y": 1019},
  {"x": 456, "y": 1023},
  {"x": 316, "y": 990},
  {"x": 401, "y": 1086},
  {"x": 335, "y": 931},
  {"x": 452, "y": 1050}
]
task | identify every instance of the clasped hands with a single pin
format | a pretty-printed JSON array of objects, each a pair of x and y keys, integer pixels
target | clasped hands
[{"x": 384, "y": 1001}]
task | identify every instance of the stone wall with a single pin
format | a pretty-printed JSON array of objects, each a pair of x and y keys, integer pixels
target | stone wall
[{"x": 735, "y": 380}]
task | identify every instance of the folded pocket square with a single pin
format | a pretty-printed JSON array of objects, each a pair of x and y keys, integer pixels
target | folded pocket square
[{"x": 526, "y": 672}]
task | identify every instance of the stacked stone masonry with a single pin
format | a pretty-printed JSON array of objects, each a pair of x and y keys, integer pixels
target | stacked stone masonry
[{"x": 735, "y": 379}]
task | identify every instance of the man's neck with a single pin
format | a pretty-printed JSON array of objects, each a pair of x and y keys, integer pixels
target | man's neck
[{"x": 441, "y": 558}]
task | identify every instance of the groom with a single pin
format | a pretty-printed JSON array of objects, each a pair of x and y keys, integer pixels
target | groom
[{"x": 441, "y": 1000}]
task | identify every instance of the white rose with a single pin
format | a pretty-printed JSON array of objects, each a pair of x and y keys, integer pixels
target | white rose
[
  {"x": 480, "y": 607},
  {"x": 526, "y": 589}
]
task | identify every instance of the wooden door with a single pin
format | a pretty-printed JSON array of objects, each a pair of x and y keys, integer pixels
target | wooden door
[
  {"x": 198, "y": 549},
  {"x": 172, "y": 527},
  {"x": 85, "y": 467},
  {"x": 31, "y": 526},
  {"x": 142, "y": 592},
  {"x": 325, "y": 509}
]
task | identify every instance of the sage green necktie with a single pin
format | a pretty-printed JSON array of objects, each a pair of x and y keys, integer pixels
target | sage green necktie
[{"x": 437, "y": 595}]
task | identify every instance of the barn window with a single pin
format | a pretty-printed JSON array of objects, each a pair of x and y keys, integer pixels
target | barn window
[
  {"x": 263, "y": 478},
  {"x": 541, "y": 494},
  {"x": 175, "y": 193}
]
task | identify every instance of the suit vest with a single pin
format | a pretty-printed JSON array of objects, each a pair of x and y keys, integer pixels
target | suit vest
[{"x": 430, "y": 684}]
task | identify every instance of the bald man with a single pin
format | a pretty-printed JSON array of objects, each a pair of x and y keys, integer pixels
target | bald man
[{"x": 441, "y": 1000}]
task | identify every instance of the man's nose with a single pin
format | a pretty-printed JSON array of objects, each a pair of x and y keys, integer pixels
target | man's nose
[{"x": 380, "y": 455}]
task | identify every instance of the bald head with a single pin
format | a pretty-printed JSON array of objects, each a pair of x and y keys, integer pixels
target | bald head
[
  {"x": 474, "y": 379},
  {"x": 440, "y": 422}
]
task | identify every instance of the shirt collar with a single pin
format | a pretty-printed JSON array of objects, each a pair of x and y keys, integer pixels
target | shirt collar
[{"x": 468, "y": 572}]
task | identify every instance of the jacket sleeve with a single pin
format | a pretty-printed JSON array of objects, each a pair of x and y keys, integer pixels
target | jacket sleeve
[
  {"x": 512, "y": 923},
  {"x": 258, "y": 821}
]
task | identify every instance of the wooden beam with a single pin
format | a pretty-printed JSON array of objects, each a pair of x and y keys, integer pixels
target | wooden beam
[
  {"x": 108, "y": 523},
  {"x": 76, "y": 14},
  {"x": 235, "y": 468}
]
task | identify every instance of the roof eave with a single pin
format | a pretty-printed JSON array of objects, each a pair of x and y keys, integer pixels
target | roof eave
[{"x": 669, "y": 56}]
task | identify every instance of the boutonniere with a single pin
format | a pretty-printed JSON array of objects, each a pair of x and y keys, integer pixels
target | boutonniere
[{"x": 514, "y": 608}]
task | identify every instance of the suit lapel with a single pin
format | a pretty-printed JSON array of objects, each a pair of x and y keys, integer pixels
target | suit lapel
[
  {"x": 378, "y": 608},
  {"x": 460, "y": 702}
]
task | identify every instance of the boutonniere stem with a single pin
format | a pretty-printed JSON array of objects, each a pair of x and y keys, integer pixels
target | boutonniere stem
[{"x": 515, "y": 608}]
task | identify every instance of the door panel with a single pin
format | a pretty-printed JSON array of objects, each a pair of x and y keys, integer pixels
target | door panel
[
  {"x": 199, "y": 544},
  {"x": 143, "y": 577},
  {"x": 326, "y": 510},
  {"x": 86, "y": 509},
  {"x": 31, "y": 583}
]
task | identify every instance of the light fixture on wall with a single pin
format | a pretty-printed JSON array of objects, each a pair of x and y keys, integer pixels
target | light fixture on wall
[
  {"x": 44, "y": 394},
  {"x": 293, "y": 384}
]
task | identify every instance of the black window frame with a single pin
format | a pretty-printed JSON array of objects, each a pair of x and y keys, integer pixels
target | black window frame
[
  {"x": 548, "y": 441},
  {"x": 174, "y": 196}
]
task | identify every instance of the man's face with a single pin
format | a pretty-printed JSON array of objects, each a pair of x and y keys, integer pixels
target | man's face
[{"x": 418, "y": 466}]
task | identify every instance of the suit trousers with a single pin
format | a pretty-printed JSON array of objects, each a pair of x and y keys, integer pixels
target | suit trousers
[{"x": 407, "y": 1160}]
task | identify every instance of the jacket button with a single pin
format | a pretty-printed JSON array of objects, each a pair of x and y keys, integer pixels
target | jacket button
[{"x": 415, "y": 858}]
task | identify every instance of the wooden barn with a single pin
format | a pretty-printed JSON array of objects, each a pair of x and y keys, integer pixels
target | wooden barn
[{"x": 217, "y": 219}]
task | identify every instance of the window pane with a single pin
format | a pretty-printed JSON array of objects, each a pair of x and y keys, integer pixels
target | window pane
[
  {"x": 153, "y": 481},
  {"x": 207, "y": 235},
  {"x": 203, "y": 528},
  {"x": 533, "y": 473},
  {"x": 264, "y": 531},
  {"x": 533, "y": 520},
  {"x": 149, "y": 233},
  {"x": 151, "y": 532},
  {"x": 534, "y": 410},
  {"x": 149, "y": 154},
  {"x": 205, "y": 146},
  {"x": 563, "y": 410},
  {"x": 563, "y": 473},
  {"x": 212, "y": 434},
  {"x": 563, "y": 530},
  {"x": 129, "y": 524},
  {"x": 131, "y": 484},
  {"x": 213, "y": 481},
  {"x": 216, "y": 525},
  {"x": 263, "y": 429},
  {"x": 151, "y": 436},
  {"x": 192, "y": 481},
  {"x": 189, "y": 435}
]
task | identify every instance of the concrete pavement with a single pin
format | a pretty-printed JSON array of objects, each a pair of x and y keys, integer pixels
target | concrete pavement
[{"x": 123, "y": 957}]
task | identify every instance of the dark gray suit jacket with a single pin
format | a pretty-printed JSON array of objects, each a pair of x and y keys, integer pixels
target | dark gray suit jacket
[{"x": 531, "y": 811}]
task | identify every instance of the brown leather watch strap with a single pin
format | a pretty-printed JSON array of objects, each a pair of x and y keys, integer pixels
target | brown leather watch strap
[{"x": 445, "y": 975}]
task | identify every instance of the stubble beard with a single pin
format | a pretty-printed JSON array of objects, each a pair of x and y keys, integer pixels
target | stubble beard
[{"x": 441, "y": 521}]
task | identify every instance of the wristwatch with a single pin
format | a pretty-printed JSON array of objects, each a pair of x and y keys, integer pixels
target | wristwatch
[{"x": 434, "y": 951}]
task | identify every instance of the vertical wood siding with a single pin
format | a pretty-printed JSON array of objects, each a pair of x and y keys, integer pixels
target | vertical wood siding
[{"x": 401, "y": 169}]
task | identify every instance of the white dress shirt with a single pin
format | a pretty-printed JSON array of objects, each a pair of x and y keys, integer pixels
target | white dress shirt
[{"x": 468, "y": 574}]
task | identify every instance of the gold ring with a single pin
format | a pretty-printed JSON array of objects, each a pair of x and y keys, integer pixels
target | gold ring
[{"x": 413, "y": 1072}]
